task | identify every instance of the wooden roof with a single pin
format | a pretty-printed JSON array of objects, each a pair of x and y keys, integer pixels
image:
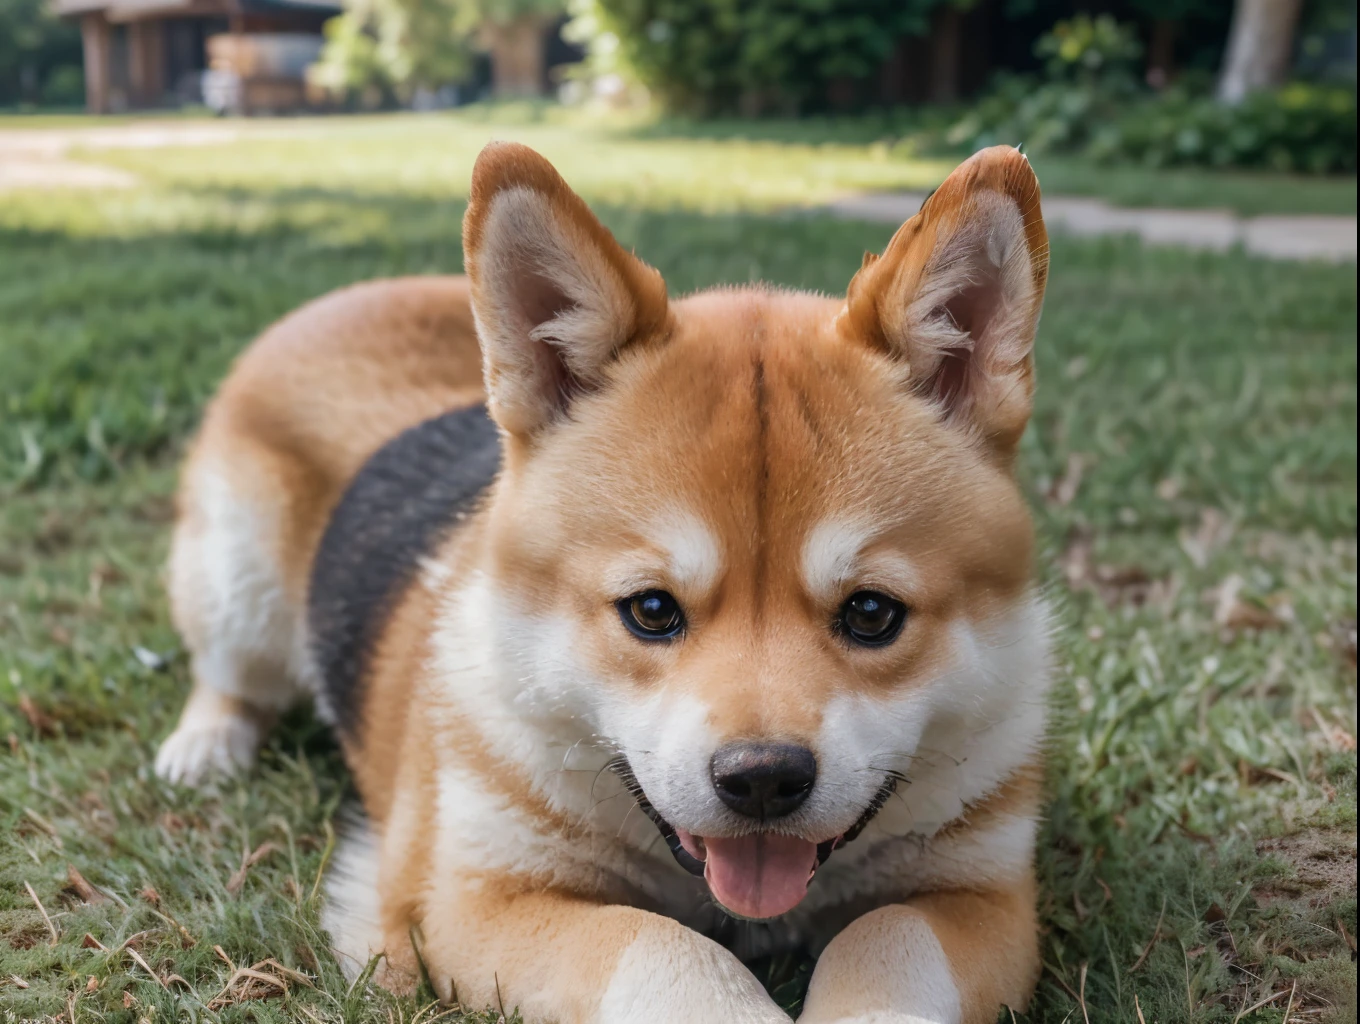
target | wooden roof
[{"x": 137, "y": 10}]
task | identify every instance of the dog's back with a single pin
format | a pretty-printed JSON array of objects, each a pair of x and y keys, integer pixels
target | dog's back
[{"x": 268, "y": 468}]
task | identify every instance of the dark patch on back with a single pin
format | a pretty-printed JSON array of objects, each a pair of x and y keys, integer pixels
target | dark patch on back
[{"x": 399, "y": 507}]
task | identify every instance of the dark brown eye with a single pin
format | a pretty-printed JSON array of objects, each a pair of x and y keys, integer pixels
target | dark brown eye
[
  {"x": 652, "y": 615},
  {"x": 871, "y": 619}
]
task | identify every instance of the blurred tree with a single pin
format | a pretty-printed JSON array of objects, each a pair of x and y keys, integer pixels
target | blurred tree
[
  {"x": 384, "y": 49},
  {"x": 515, "y": 31},
  {"x": 758, "y": 56},
  {"x": 1166, "y": 19},
  {"x": 1260, "y": 47},
  {"x": 40, "y": 55}
]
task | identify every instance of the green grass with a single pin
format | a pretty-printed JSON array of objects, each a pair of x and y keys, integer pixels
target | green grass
[{"x": 1196, "y": 429}]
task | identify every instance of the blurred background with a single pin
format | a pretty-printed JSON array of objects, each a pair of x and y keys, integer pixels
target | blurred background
[
  {"x": 176, "y": 174},
  {"x": 1220, "y": 83}
]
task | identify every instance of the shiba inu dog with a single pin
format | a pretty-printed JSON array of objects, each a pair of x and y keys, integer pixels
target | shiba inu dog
[{"x": 658, "y": 633}]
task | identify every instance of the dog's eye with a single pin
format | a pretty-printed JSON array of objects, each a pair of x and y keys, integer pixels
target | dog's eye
[
  {"x": 872, "y": 619},
  {"x": 652, "y": 615}
]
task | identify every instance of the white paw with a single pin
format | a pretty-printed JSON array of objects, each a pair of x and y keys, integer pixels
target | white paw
[
  {"x": 671, "y": 975},
  {"x": 198, "y": 750}
]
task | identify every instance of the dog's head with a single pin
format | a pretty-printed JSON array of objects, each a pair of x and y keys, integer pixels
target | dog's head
[{"x": 765, "y": 544}]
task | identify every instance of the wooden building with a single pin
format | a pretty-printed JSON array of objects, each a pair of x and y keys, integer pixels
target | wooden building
[{"x": 152, "y": 53}]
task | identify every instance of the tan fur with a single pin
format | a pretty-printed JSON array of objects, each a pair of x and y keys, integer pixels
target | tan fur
[{"x": 729, "y": 426}]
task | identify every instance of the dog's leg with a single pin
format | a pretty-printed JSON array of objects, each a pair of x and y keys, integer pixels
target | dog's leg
[
  {"x": 233, "y": 608},
  {"x": 941, "y": 958},
  {"x": 571, "y": 961}
]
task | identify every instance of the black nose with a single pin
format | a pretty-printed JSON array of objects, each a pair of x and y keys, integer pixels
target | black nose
[{"x": 764, "y": 780}]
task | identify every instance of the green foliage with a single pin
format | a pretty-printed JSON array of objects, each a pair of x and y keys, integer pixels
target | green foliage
[
  {"x": 39, "y": 55},
  {"x": 757, "y": 56},
  {"x": 390, "y": 48},
  {"x": 1090, "y": 103},
  {"x": 383, "y": 48},
  {"x": 1091, "y": 67},
  {"x": 1090, "y": 50},
  {"x": 1302, "y": 127}
]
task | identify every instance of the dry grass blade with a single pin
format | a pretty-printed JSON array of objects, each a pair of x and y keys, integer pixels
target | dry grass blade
[
  {"x": 146, "y": 966},
  {"x": 90, "y": 942},
  {"x": 17, "y": 981},
  {"x": 1289, "y": 1007},
  {"x": 84, "y": 889},
  {"x": 1081, "y": 995},
  {"x": 260, "y": 852},
  {"x": 262, "y": 980},
  {"x": 42, "y": 910},
  {"x": 1347, "y": 936},
  {"x": 1065, "y": 986},
  {"x": 1156, "y": 934},
  {"x": 1260, "y": 1003},
  {"x": 325, "y": 858},
  {"x": 1139, "y": 1009},
  {"x": 45, "y": 825}
]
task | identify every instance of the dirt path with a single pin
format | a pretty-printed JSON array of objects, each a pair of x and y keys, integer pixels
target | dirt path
[{"x": 1330, "y": 238}]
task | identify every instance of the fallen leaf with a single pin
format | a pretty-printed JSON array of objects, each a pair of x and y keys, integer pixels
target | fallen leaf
[
  {"x": 1231, "y": 612},
  {"x": 43, "y": 723},
  {"x": 128, "y": 1001},
  {"x": 92, "y": 985},
  {"x": 150, "y": 895}
]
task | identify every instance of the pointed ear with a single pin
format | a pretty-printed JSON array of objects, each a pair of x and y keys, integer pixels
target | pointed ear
[
  {"x": 957, "y": 293},
  {"x": 554, "y": 295}
]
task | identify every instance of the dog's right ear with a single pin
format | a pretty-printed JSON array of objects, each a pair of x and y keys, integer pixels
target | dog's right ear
[{"x": 554, "y": 295}]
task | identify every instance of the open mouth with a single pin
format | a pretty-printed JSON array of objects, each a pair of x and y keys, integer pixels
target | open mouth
[{"x": 757, "y": 876}]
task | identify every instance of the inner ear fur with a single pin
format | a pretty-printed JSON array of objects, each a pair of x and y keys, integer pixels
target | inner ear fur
[
  {"x": 554, "y": 294},
  {"x": 957, "y": 293}
]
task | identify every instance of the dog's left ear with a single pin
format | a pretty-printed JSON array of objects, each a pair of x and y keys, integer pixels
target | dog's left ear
[
  {"x": 554, "y": 295},
  {"x": 957, "y": 293}
]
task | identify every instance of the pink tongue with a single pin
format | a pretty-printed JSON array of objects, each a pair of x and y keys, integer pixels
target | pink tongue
[{"x": 760, "y": 875}]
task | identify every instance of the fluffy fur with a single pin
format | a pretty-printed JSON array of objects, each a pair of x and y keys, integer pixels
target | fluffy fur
[{"x": 526, "y": 763}]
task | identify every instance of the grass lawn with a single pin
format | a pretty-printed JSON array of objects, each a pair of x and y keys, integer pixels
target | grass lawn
[
  {"x": 758, "y": 164},
  {"x": 1192, "y": 463}
]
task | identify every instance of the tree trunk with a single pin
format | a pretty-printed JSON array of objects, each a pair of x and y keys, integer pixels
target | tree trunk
[
  {"x": 1260, "y": 47},
  {"x": 945, "y": 41},
  {"x": 518, "y": 50},
  {"x": 1161, "y": 62}
]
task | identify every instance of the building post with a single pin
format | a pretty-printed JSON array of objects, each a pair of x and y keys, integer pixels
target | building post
[
  {"x": 146, "y": 62},
  {"x": 94, "y": 38}
]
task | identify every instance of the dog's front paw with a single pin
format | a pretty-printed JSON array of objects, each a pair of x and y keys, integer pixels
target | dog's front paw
[
  {"x": 200, "y": 749},
  {"x": 676, "y": 976}
]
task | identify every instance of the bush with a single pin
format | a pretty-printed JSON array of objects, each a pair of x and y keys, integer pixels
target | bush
[
  {"x": 64, "y": 87},
  {"x": 35, "y": 47},
  {"x": 750, "y": 56},
  {"x": 1091, "y": 103},
  {"x": 1307, "y": 128}
]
